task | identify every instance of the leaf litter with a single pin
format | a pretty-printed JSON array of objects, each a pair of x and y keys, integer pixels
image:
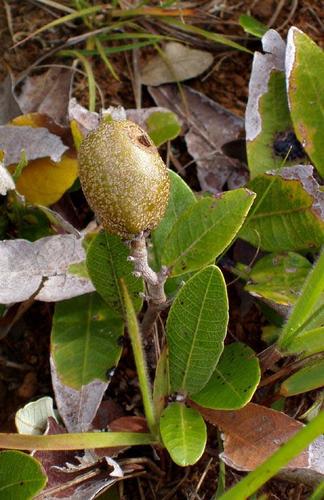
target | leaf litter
[{"x": 208, "y": 183}]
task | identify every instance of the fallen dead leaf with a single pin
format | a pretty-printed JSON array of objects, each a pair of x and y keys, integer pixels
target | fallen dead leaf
[
  {"x": 89, "y": 120},
  {"x": 41, "y": 268},
  {"x": 36, "y": 142},
  {"x": 210, "y": 127},
  {"x": 255, "y": 432},
  {"x": 177, "y": 63},
  {"x": 62, "y": 483},
  {"x": 47, "y": 93},
  {"x": 9, "y": 107}
]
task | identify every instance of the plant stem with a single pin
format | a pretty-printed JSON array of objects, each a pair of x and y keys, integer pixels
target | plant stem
[
  {"x": 154, "y": 282},
  {"x": 140, "y": 361}
]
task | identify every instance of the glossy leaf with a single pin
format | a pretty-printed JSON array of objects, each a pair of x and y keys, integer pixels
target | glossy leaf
[
  {"x": 183, "y": 433},
  {"x": 107, "y": 263},
  {"x": 307, "y": 379},
  {"x": 233, "y": 381},
  {"x": 204, "y": 230},
  {"x": 21, "y": 476},
  {"x": 196, "y": 328},
  {"x": 287, "y": 214},
  {"x": 181, "y": 197},
  {"x": 279, "y": 277},
  {"x": 163, "y": 127},
  {"x": 305, "y": 84},
  {"x": 84, "y": 340}
]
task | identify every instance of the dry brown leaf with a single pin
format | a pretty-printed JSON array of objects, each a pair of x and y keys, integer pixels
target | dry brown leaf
[
  {"x": 178, "y": 63},
  {"x": 9, "y": 107},
  {"x": 47, "y": 93},
  {"x": 61, "y": 482},
  {"x": 210, "y": 127},
  {"x": 89, "y": 120},
  {"x": 255, "y": 432}
]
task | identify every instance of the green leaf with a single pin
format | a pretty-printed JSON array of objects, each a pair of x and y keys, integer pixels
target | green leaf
[
  {"x": 183, "y": 433},
  {"x": 311, "y": 293},
  {"x": 305, "y": 83},
  {"x": 204, "y": 230},
  {"x": 233, "y": 381},
  {"x": 181, "y": 197},
  {"x": 163, "y": 126},
  {"x": 307, "y": 379},
  {"x": 270, "y": 140},
  {"x": 286, "y": 215},
  {"x": 209, "y": 35},
  {"x": 107, "y": 263},
  {"x": 161, "y": 387},
  {"x": 318, "y": 494},
  {"x": 252, "y": 26},
  {"x": 279, "y": 459},
  {"x": 21, "y": 476},
  {"x": 276, "y": 128},
  {"x": 279, "y": 278},
  {"x": 307, "y": 342},
  {"x": 196, "y": 328},
  {"x": 84, "y": 340}
]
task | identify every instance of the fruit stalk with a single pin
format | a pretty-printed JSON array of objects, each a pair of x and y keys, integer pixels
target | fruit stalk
[{"x": 154, "y": 282}]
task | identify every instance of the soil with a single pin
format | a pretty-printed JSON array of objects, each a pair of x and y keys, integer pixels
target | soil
[{"x": 24, "y": 351}]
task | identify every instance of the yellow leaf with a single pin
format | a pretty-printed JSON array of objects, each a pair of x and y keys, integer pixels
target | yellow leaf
[{"x": 44, "y": 182}]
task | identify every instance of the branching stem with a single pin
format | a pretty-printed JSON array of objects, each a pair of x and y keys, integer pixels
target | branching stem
[{"x": 154, "y": 282}]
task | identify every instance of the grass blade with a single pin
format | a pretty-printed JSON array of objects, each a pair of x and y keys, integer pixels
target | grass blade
[
  {"x": 77, "y": 441},
  {"x": 214, "y": 37},
  {"x": 311, "y": 292},
  {"x": 88, "y": 69},
  {"x": 102, "y": 54}
]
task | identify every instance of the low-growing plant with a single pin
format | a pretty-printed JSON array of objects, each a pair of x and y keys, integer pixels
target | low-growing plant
[{"x": 163, "y": 245}]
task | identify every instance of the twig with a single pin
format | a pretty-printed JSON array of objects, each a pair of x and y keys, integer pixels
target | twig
[
  {"x": 154, "y": 282},
  {"x": 287, "y": 370}
]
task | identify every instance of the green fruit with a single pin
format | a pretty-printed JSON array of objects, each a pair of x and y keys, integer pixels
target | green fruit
[{"x": 123, "y": 178}]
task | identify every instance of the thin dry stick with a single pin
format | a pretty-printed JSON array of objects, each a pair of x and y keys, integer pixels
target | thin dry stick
[{"x": 154, "y": 282}]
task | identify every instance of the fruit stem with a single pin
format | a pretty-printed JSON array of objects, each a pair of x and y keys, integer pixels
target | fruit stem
[{"x": 154, "y": 282}]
